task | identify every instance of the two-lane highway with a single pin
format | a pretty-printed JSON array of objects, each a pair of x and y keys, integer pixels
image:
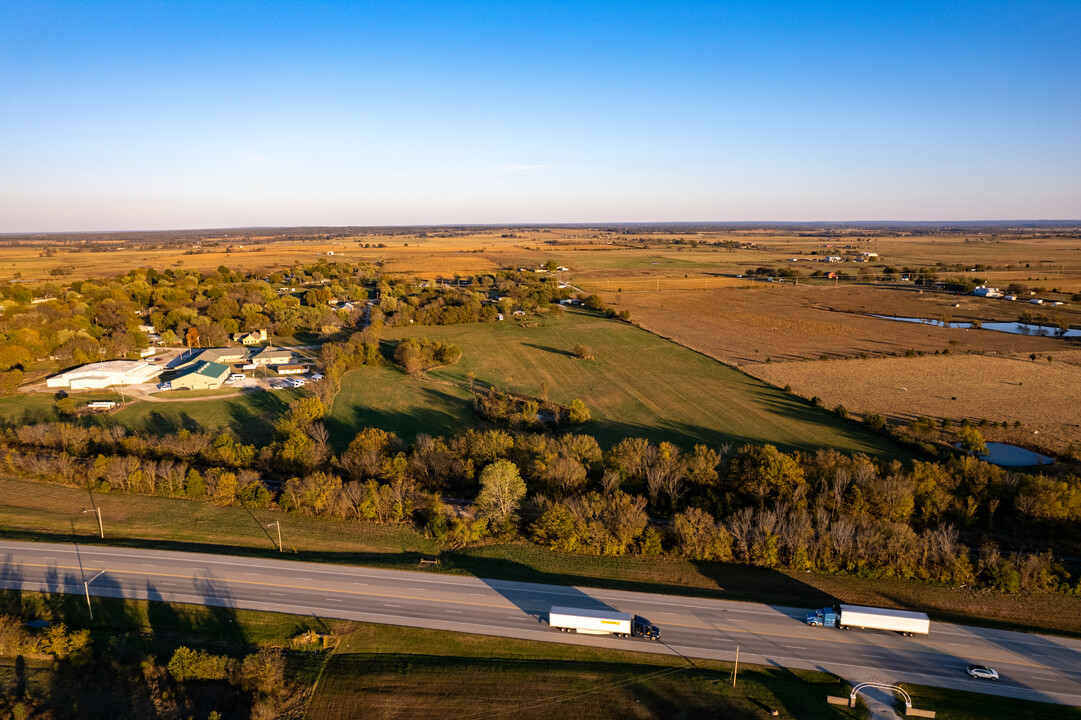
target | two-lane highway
[{"x": 1032, "y": 666}]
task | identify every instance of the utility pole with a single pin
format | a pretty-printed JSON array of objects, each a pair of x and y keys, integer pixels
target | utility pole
[
  {"x": 278, "y": 524},
  {"x": 86, "y": 587},
  {"x": 735, "y": 668},
  {"x": 97, "y": 511}
]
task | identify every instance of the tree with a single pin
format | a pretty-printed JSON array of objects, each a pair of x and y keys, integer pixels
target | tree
[
  {"x": 971, "y": 441},
  {"x": 501, "y": 490},
  {"x": 578, "y": 413},
  {"x": 192, "y": 337}
]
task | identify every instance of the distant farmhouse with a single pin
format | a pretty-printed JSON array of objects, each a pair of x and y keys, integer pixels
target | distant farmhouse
[{"x": 105, "y": 374}]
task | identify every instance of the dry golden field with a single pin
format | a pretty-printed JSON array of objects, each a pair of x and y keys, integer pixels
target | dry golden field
[
  {"x": 1044, "y": 396},
  {"x": 782, "y": 322}
]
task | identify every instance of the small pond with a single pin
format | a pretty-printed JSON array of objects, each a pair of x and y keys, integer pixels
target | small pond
[
  {"x": 1013, "y": 456},
  {"x": 1013, "y": 328}
]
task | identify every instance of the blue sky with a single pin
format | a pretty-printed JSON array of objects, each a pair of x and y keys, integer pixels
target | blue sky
[{"x": 158, "y": 115}]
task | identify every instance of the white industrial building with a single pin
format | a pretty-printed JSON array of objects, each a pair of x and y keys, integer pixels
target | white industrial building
[{"x": 105, "y": 374}]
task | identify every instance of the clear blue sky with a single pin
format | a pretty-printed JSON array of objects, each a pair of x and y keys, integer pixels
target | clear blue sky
[{"x": 167, "y": 114}]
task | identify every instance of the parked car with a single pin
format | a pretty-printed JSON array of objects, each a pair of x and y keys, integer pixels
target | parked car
[
  {"x": 317, "y": 376},
  {"x": 982, "y": 672},
  {"x": 236, "y": 377}
]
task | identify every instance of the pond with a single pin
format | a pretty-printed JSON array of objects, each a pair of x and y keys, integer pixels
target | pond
[
  {"x": 1013, "y": 328},
  {"x": 1013, "y": 456}
]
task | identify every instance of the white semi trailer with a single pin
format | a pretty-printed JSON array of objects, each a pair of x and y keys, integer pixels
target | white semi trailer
[
  {"x": 846, "y": 617},
  {"x": 601, "y": 622}
]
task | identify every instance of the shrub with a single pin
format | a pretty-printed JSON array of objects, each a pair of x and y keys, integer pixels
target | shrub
[
  {"x": 187, "y": 664},
  {"x": 583, "y": 352}
]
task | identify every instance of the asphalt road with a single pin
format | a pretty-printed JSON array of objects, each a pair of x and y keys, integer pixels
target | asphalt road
[{"x": 1034, "y": 667}]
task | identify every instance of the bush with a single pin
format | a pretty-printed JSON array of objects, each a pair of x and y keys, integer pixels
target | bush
[
  {"x": 583, "y": 352},
  {"x": 874, "y": 421},
  {"x": 187, "y": 664}
]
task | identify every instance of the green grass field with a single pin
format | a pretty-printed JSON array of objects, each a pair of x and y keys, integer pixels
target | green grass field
[
  {"x": 388, "y": 672},
  {"x": 251, "y": 416},
  {"x": 639, "y": 385}
]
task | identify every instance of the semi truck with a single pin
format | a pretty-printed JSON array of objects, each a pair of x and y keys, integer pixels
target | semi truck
[
  {"x": 847, "y": 617},
  {"x": 602, "y": 622}
]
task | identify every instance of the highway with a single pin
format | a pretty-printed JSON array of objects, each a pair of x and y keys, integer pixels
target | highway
[{"x": 1032, "y": 666}]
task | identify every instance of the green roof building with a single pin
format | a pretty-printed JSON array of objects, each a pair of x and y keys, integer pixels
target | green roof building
[{"x": 202, "y": 376}]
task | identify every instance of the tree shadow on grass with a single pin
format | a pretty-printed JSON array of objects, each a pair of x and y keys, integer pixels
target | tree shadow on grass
[{"x": 549, "y": 349}]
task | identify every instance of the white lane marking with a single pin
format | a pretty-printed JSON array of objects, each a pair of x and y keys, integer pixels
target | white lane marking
[
  {"x": 46, "y": 557},
  {"x": 251, "y": 573},
  {"x": 149, "y": 565},
  {"x": 335, "y": 600},
  {"x": 277, "y": 594},
  {"x": 514, "y": 617},
  {"x": 795, "y": 647},
  {"x": 364, "y": 584},
  {"x": 389, "y": 605},
  {"x": 476, "y": 594},
  {"x": 456, "y": 612}
]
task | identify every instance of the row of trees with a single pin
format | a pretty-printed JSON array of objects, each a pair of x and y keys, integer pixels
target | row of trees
[{"x": 824, "y": 511}]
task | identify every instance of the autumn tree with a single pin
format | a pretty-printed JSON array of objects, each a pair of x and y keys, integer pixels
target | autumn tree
[{"x": 501, "y": 491}]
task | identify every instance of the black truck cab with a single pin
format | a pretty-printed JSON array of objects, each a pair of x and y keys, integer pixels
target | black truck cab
[{"x": 640, "y": 627}]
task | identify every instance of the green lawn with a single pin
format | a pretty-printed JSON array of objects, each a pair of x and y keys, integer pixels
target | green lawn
[
  {"x": 389, "y": 672},
  {"x": 639, "y": 385},
  {"x": 251, "y": 415}
]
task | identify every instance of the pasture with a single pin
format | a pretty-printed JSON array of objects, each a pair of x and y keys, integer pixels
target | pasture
[{"x": 638, "y": 385}]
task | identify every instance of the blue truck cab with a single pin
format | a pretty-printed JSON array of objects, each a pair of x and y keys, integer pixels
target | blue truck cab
[{"x": 826, "y": 617}]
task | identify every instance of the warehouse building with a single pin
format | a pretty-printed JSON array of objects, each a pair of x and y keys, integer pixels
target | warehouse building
[
  {"x": 203, "y": 376},
  {"x": 105, "y": 374}
]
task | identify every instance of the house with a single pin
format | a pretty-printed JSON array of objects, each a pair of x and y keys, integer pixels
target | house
[
  {"x": 252, "y": 338},
  {"x": 271, "y": 355},
  {"x": 1036, "y": 301},
  {"x": 105, "y": 374},
  {"x": 984, "y": 291},
  {"x": 201, "y": 376},
  {"x": 1011, "y": 297},
  {"x": 291, "y": 369},
  {"x": 832, "y": 259},
  {"x": 149, "y": 329}
]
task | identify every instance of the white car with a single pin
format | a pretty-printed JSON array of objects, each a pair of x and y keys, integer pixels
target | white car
[
  {"x": 982, "y": 672},
  {"x": 297, "y": 382},
  {"x": 165, "y": 386}
]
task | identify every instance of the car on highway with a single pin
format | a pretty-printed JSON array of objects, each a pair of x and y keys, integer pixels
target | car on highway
[{"x": 982, "y": 672}]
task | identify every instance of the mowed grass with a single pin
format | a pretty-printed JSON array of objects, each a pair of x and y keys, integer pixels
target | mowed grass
[
  {"x": 638, "y": 385},
  {"x": 388, "y": 672},
  {"x": 51, "y": 513},
  {"x": 250, "y": 415}
]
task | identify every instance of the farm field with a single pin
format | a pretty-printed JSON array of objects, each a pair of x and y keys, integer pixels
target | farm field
[
  {"x": 1039, "y": 394},
  {"x": 639, "y": 385},
  {"x": 52, "y": 513},
  {"x": 795, "y": 322}
]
